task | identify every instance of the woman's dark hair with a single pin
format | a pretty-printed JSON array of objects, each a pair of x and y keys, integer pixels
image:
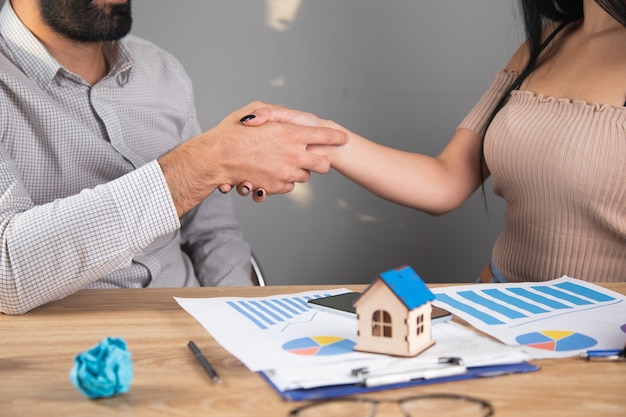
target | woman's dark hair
[{"x": 536, "y": 14}]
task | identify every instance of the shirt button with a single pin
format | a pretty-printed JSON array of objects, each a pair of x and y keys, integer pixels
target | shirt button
[{"x": 122, "y": 78}]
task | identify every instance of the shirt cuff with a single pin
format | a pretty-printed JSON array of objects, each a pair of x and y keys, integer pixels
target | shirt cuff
[{"x": 145, "y": 204}]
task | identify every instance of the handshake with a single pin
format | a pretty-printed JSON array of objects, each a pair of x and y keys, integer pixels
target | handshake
[{"x": 265, "y": 151}]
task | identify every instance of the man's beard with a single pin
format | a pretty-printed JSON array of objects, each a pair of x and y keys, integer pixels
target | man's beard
[{"x": 83, "y": 21}]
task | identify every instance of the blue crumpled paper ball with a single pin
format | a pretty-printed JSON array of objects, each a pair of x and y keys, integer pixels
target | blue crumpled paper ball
[{"x": 105, "y": 370}]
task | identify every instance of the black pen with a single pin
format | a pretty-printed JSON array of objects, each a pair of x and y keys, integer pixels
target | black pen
[{"x": 204, "y": 362}]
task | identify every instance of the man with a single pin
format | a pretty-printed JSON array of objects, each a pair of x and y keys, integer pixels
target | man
[{"x": 105, "y": 177}]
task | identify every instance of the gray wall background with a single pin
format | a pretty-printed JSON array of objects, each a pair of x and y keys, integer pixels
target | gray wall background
[{"x": 400, "y": 72}]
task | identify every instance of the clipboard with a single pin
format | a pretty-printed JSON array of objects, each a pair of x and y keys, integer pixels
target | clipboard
[{"x": 333, "y": 391}]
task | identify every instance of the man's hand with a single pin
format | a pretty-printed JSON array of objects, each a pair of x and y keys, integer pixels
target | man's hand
[
  {"x": 271, "y": 154},
  {"x": 277, "y": 114}
]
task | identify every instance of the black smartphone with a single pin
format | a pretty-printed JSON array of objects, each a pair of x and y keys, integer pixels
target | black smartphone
[
  {"x": 340, "y": 303},
  {"x": 343, "y": 304}
]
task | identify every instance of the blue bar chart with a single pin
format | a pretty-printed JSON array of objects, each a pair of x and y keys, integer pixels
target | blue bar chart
[{"x": 555, "y": 318}]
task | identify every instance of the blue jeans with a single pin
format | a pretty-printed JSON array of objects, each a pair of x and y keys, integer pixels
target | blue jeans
[{"x": 496, "y": 275}]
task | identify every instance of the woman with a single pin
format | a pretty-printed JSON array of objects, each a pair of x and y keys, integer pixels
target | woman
[{"x": 551, "y": 131}]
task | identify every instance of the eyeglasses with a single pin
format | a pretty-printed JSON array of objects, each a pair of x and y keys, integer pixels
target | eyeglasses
[{"x": 439, "y": 405}]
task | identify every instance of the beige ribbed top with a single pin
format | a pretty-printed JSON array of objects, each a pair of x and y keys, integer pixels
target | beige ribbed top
[{"x": 561, "y": 167}]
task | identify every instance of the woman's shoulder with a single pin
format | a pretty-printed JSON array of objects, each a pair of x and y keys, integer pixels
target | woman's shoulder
[{"x": 519, "y": 59}]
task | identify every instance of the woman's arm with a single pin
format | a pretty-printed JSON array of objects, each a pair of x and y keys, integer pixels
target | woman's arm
[{"x": 435, "y": 185}]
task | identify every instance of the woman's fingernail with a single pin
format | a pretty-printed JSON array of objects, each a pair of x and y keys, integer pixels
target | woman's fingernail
[
  {"x": 247, "y": 117},
  {"x": 260, "y": 193},
  {"x": 245, "y": 189}
]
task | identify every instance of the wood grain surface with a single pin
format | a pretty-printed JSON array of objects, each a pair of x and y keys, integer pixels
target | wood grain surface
[{"x": 37, "y": 351}]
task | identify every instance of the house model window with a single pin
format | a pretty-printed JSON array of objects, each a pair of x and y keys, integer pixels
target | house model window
[
  {"x": 381, "y": 324},
  {"x": 420, "y": 324},
  {"x": 394, "y": 314}
]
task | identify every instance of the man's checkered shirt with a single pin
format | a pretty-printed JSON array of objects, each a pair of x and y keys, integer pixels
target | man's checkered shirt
[{"x": 83, "y": 202}]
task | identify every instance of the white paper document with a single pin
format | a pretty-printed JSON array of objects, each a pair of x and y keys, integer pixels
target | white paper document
[
  {"x": 298, "y": 346},
  {"x": 552, "y": 319},
  {"x": 451, "y": 340},
  {"x": 276, "y": 331}
]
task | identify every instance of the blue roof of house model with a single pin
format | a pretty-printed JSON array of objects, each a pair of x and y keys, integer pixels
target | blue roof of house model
[{"x": 407, "y": 286}]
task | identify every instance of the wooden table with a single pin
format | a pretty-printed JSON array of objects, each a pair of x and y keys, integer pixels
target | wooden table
[{"x": 37, "y": 350}]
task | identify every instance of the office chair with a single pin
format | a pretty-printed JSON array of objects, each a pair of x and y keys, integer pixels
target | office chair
[{"x": 256, "y": 273}]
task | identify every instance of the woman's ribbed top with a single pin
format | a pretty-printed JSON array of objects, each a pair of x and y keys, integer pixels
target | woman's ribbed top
[{"x": 561, "y": 167}]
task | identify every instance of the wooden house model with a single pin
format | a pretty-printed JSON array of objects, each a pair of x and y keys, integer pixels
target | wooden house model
[{"x": 394, "y": 314}]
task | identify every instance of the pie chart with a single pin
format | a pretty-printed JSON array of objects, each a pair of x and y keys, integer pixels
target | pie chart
[
  {"x": 556, "y": 340},
  {"x": 319, "y": 345}
]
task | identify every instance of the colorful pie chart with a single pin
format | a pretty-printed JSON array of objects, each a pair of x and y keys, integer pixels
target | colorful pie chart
[
  {"x": 319, "y": 345},
  {"x": 556, "y": 340}
]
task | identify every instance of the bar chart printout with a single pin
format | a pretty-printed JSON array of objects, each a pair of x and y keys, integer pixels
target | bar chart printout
[
  {"x": 557, "y": 318},
  {"x": 305, "y": 347},
  {"x": 285, "y": 327}
]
